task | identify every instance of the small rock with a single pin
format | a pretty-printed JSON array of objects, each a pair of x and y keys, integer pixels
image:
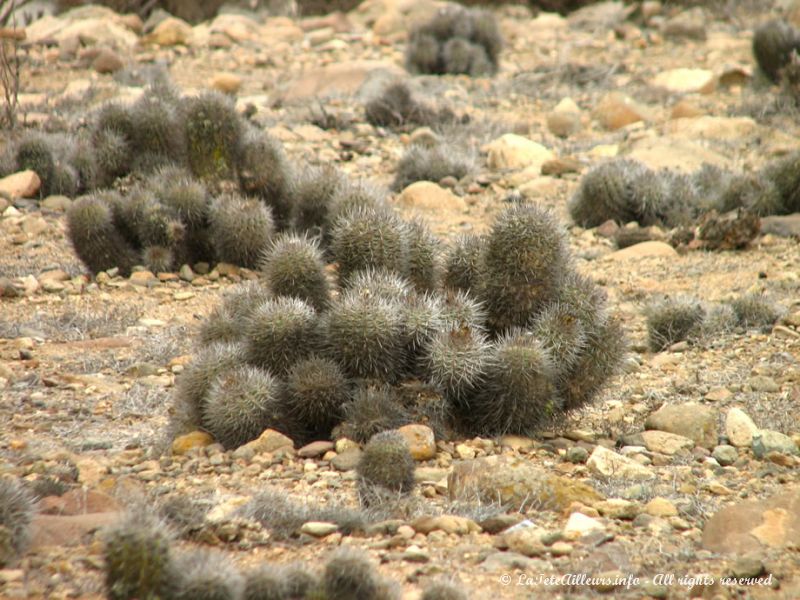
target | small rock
[
  {"x": 347, "y": 460},
  {"x": 579, "y": 525},
  {"x": 766, "y": 441},
  {"x": 684, "y": 109},
  {"x": 107, "y": 61},
  {"x": 196, "y": 439},
  {"x": 34, "y": 225},
  {"x": 416, "y": 554},
  {"x": 762, "y": 383},
  {"x": 660, "y": 507},
  {"x": 739, "y": 428},
  {"x": 319, "y": 529},
  {"x": 747, "y": 566},
  {"x": 607, "y": 463},
  {"x": 423, "y": 136},
  {"x": 142, "y": 278},
  {"x": 643, "y": 250},
  {"x": 447, "y": 523},
  {"x": 713, "y": 128},
  {"x": 686, "y": 24},
  {"x": 608, "y": 581},
  {"x": 512, "y": 151},
  {"x": 429, "y": 197},
  {"x": 694, "y": 421},
  {"x": 719, "y": 394},
  {"x": 79, "y": 502},
  {"x": 577, "y": 454},
  {"x": 518, "y": 443},
  {"x": 24, "y": 184},
  {"x": 525, "y": 540},
  {"x": 499, "y": 523},
  {"x": 616, "y": 110},
  {"x": 684, "y": 81},
  {"x": 564, "y": 124},
  {"x": 420, "y": 440},
  {"x": 725, "y": 455},
  {"x": 269, "y": 441},
  {"x": 666, "y": 443},
  {"x": 315, "y": 449},
  {"x": 170, "y": 32},
  {"x": 618, "y": 508},
  {"x": 56, "y": 203},
  {"x": 68, "y": 531},
  {"x": 227, "y": 83},
  {"x": 561, "y": 166}
]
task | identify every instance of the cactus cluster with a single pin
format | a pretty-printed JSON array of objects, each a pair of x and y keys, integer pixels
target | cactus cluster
[
  {"x": 432, "y": 163},
  {"x": 675, "y": 319},
  {"x": 458, "y": 41},
  {"x": 17, "y": 508},
  {"x": 501, "y": 328},
  {"x": 624, "y": 190},
  {"x": 773, "y": 45}
]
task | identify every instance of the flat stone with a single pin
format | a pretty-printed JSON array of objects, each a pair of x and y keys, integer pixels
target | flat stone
[
  {"x": 763, "y": 383},
  {"x": 516, "y": 482},
  {"x": 713, "y": 128},
  {"x": 666, "y": 443},
  {"x": 755, "y": 525},
  {"x": 579, "y": 525},
  {"x": 675, "y": 152},
  {"x": 618, "y": 508},
  {"x": 608, "y": 464},
  {"x": 34, "y": 225},
  {"x": 694, "y": 421},
  {"x": 643, "y": 250},
  {"x": 315, "y": 449},
  {"x": 782, "y": 226},
  {"x": 719, "y": 394},
  {"x": 56, "y": 203},
  {"x": 24, "y": 184},
  {"x": 170, "y": 32},
  {"x": 269, "y": 441},
  {"x": 78, "y": 502},
  {"x": 421, "y": 441},
  {"x": 319, "y": 529},
  {"x": 344, "y": 78},
  {"x": 660, "y": 507},
  {"x": 431, "y": 199},
  {"x": 511, "y": 151},
  {"x": 447, "y": 523},
  {"x": 739, "y": 428},
  {"x": 107, "y": 61},
  {"x": 684, "y": 80},
  {"x": 766, "y": 441},
  {"x": 196, "y": 439}
]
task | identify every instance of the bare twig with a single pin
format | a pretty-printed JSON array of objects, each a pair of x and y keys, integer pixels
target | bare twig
[{"x": 10, "y": 65}]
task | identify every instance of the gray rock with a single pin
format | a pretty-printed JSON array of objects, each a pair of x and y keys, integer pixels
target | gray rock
[
  {"x": 347, "y": 460},
  {"x": 766, "y": 441},
  {"x": 762, "y": 383},
  {"x": 725, "y": 455}
]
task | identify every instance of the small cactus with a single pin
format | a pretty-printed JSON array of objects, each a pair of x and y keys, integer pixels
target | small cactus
[
  {"x": 241, "y": 229},
  {"x": 463, "y": 263},
  {"x": 17, "y": 508},
  {"x": 206, "y": 575},
  {"x": 316, "y": 392},
  {"x": 293, "y": 266},
  {"x": 264, "y": 173},
  {"x": 422, "y": 163},
  {"x": 371, "y": 411},
  {"x": 279, "y": 333},
  {"x": 387, "y": 462},
  {"x": 672, "y": 320},
  {"x": 349, "y": 576},
  {"x": 773, "y": 44},
  {"x": 213, "y": 136}
]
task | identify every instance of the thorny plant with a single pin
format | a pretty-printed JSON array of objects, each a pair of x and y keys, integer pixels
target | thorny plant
[{"x": 10, "y": 63}]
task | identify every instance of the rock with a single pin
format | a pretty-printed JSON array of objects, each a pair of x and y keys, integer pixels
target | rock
[
  {"x": 447, "y": 523},
  {"x": 269, "y": 441},
  {"x": 227, "y": 83},
  {"x": 416, "y": 554},
  {"x": 511, "y": 151},
  {"x": 725, "y": 455},
  {"x": 345, "y": 78},
  {"x": 762, "y": 383},
  {"x": 315, "y": 449},
  {"x": 684, "y": 81},
  {"x": 766, "y": 441},
  {"x": 694, "y": 421},
  {"x": 577, "y": 454},
  {"x": 107, "y": 61},
  {"x": 514, "y": 481},
  {"x": 783, "y": 226},
  {"x": 56, "y": 203},
  {"x": 608, "y": 464},
  {"x": 170, "y": 32},
  {"x": 739, "y": 428},
  {"x": 78, "y": 502},
  {"x": 508, "y": 561},
  {"x": 660, "y": 507},
  {"x": 33, "y": 225},
  {"x": 318, "y": 529},
  {"x": 142, "y": 278},
  {"x": 616, "y": 110},
  {"x": 564, "y": 123},
  {"x": 666, "y": 443},
  {"x": 561, "y": 166},
  {"x": 713, "y": 128},
  {"x": 24, "y": 184},
  {"x": 686, "y": 24},
  {"x": 718, "y": 394},
  {"x": 347, "y": 460},
  {"x": 674, "y": 152},
  {"x": 579, "y": 525},
  {"x": 747, "y": 566},
  {"x": 642, "y": 250},
  {"x": 429, "y": 198},
  {"x": 196, "y": 439},
  {"x": 91, "y": 25},
  {"x": 238, "y": 28},
  {"x": 420, "y": 440},
  {"x": 752, "y": 525},
  {"x": 68, "y": 531},
  {"x": 618, "y": 508},
  {"x": 499, "y": 523},
  {"x": 423, "y": 136},
  {"x": 525, "y": 540},
  {"x": 684, "y": 109}
]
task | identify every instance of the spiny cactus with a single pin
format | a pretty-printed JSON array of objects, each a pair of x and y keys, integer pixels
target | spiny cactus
[
  {"x": 96, "y": 240},
  {"x": 365, "y": 335},
  {"x": 265, "y": 582},
  {"x": 423, "y": 163},
  {"x": 443, "y": 590},
  {"x": 35, "y": 153},
  {"x": 227, "y": 322},
  {"x": 424, "y": 257},
  {"x": 784, "y": 173},
  {"x": 773, "y": 44},
  {"x": 457, "y": 363},
  {"x": 396, "y": 107},
  {"x": 314, "y": 189},
  {"x": 349, "y": 576},
  {"x": 138, "y": 560},
  {"x": 422, "y": 320},
  {"x": 520, "y": 393},
  {"x": 17, "y": 508},
  {"x": 113, "y": 155},
  {"x": 279, "y": 333},
  {"x": 206, "y": 575},
  {"x": 357, "y": 197},
  {"x": 387, "y": 462},
  {"x": 293, "y": 266},
  {"x": 463, "y": 263},
  {"x": 525, "y": 261},
  {"x": 608, "y": 191},
  {"x": 372, "y": 410},
  {"x": 213, "y": 136},
  {"x": 672, "y": 320},
  {"x": 369, "y": 238},
  {"x": 241, "y": 229},
  {"x": 158, "y": 136},
  {"x": 379, "y": 283},
  {"x": 241, "y": 404},
  {"x": 754, "y": 310},
  {"x": 316, "y": 392},
  {"x": 751, "y": 191},
  {"x": 264, "y": 173},
  {"x": 461, "y": 309},
  {"x": 562, "y": 333}
]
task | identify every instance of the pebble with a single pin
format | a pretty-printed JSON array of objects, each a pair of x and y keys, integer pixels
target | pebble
[
  {"x": 421, "y": 441},
  {"x": 666, "y": 443},
  {"x": 319, "y": 529},
  {"x": 416, "y": 554},
  {"x": 227, "y": 83},
  {"x": 196, "y": 439},
  {"x": 618, "y": 508},
  {"x": 651, "y": 249},
  {"x": 447, "y": 523},
  {"x": 315, "y": 449},
  {"x": 107, "y": 61},
  {"x": 747, "y": 566},
  {"x": 616, "y": 110},
  {"x": 762, "y": 383},
  {"x": 739, "y": 428},
  {"x": 170, "y": 32},
  {"x": 56, "y": 203}
]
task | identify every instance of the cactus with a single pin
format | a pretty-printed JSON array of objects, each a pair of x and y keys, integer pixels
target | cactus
[
  {"x": 241, "y": 229},
  {"x": 96, "y": 240},
  {"x": 562, "y": 333},
  {"x": 264, "y": 173},
  {"x": 457, "y": 362},
  {"x": 206, "y": 575},
  {"x": 387, "y": 462},
  {"x": 349, "y": 576},
  {"x": 265, "y": 582},
  {"x": 114, "y": 156},
  {"x": 293, "y": 266},
  {"x": 773, "y": 44},
  {"x": 784, "y": 173},
  {"x": 755, "y": 311},
  {"x": 158, "y": 136},
  {"x": 138, "y": 560},
  {"x": 17, "y": 508},
  {"x": 379, "y": 283},
  {"x": 371, "y": 411},
  {"x": 279, "y": 333},
  {"x": 314, "y": 189},
  {"x": 526, "y": 262},
  {"x": 424, "y": 258},
  {"x": 463, "y": 263},
  {"x": 365, "y": 335},
  {"x": 396, "y": 107},
  {"x": 213, "y": 137},
  {"x": 316, "y": 392},
  {"x": 35, "y": 153},
  {"x": 422, "y": 163},
  {"x": 672, "y": 320},
  {"x": 241, "y": 403},
  {"x": 460, "y": 309},
  {"x": 443, "y": 590}
]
